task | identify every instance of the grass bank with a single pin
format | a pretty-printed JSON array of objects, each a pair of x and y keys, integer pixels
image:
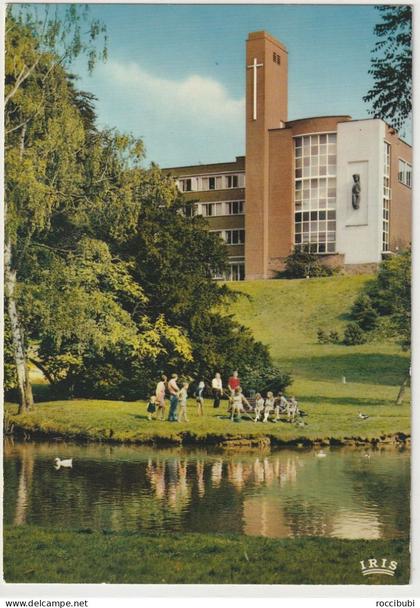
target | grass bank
[
  {"x": 332, "y": 419},
  {"x": 285, "y": 315},
  {"x": 37, "y": 555}
]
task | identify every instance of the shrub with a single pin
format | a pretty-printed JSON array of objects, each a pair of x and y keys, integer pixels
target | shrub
[
  {"x": 364, "y": 314},
  {"x": 322, "y": 336},
  {"x": 264, "y": 379},
  {"x": 354, "y": 334},
  {"x": 334, "y": 338},
  {"x": 301, "y": 264}
]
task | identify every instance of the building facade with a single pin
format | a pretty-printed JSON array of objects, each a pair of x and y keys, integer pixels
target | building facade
[{"x": 338, "y": 187}]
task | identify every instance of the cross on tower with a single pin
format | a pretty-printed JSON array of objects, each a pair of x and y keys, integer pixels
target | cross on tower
[{"x": 254, "y": 67}]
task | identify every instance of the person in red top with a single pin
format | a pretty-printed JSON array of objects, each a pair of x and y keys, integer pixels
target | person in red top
[{"x": 234, "y": 382}]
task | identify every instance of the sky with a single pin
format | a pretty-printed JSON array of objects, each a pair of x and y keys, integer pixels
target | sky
[{"x": 175, "y": 75}]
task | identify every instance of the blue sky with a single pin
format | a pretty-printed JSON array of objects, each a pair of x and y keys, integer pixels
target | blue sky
[{"x": 175, "y": 74}]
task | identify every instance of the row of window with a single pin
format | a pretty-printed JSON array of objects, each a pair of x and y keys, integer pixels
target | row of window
[
  {"x": 216, "y": 182},
  {"x": 220, "y": 208},
  {"x": 404, "y": 173},
  {"x": 235, "y": 236}
]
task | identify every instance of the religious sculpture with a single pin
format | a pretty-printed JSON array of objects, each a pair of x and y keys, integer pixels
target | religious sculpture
[{"x": 355, "y": 191}]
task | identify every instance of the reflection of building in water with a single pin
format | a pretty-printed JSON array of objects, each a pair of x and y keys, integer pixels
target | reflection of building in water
[
  {"x": 263, "y": 516},
  {"x": 353, "y": 524}
]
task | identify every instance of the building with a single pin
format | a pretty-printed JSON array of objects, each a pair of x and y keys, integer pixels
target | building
[{"x": 338, "y": 187}]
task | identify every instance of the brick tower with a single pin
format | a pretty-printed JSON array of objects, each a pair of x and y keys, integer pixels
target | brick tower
[{"x": 266, "y": 108}]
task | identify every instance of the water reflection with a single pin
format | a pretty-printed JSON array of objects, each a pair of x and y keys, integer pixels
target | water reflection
[{"x": 280, "y": 494}]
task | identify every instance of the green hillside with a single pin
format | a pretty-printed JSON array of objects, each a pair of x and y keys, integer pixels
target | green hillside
[{"x": 285, "y": 315}]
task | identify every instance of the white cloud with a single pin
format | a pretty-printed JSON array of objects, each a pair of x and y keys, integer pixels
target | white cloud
[{"x": 185, "y": 121}]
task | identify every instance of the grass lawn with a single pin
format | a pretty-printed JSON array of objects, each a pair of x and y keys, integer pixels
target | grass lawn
[
  {"x": 38, "y": 555},
  {"x": 329, "y": 417},
  {"x": 285, "y": 315}
]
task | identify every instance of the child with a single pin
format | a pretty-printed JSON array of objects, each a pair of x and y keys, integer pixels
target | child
[
  {"x": 151, "y": 407},
  {"x": 237, "y": 400},
  {"x": 199, "y": 397},
  {"x": 183, "y": 396},
  {"x": 259, "y": 406},
  {"x": 280, "y": 406},
  {"x": 269, "y": 405},
  {"x": 292, "y": 410}
]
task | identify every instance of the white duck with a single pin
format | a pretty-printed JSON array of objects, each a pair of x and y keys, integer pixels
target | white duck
[
  {"x": 320, "y": 454},
  {"x": 68, "y": 462},
  {"x": 362, "y": 416}
]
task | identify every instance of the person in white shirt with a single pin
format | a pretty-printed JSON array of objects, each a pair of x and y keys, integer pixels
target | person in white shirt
[
  {"x": 160, "y": 397},
  {"x": 217, "y": 388}
]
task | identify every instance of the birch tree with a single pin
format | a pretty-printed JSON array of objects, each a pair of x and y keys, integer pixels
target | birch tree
[{"x": 42, "y": 133}]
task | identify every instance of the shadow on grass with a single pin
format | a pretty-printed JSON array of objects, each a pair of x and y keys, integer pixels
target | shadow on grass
[
  {"x": 352, "y": 401},
  {"x": 369, "y": 368}
]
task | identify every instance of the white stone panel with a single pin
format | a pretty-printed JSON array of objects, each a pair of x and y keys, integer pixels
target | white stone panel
[{"x": 360, "y": 150}]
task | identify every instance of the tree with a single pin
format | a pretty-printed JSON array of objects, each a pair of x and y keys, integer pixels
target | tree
[
  {"x": 364, "y": 314},
  {"x": 40, "y": 143},
  {"x": 390, "y": 294},
  {"x": 391, "y": 66}
]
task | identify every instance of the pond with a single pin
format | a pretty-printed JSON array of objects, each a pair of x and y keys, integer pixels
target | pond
[{"x": 350, "y": 493}]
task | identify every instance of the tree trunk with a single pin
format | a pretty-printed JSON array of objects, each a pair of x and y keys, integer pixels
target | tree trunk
[
  {"x": 402, "y": 390},
  {"x": 25, "y": 390}
]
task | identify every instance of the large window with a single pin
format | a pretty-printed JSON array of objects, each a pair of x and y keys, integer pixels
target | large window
[
  {"x": 315, "y": 192},
  {"x": 404, "y": 173},
  {"x": 386, "y": 197}
]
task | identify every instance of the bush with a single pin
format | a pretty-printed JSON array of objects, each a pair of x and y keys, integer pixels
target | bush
[
  {"x": 354, "y": 334},
  {"x": 301, "y": 264},
  {"x": 364, "y": 314},
  {"x": 322, "y": 336},
  {"x": 264, "y": 379},
  {"x": 331, "y": 338},
  {"x": 334, "y": 338}
]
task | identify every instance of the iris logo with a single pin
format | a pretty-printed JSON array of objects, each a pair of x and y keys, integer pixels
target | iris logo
[{"x": 378, "y": 566}]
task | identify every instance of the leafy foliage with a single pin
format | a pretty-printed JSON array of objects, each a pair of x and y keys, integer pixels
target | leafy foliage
[
  {"x": 113, "y": 281},
  {"x": 354, "y": 334},
  {"x": 264, "y": 379},
  {"x": 390, "y": 295},
  {"x": 364, "y": 313},
  {"x": 301, "y": 264},
  {"x": 391, "y": 65}
]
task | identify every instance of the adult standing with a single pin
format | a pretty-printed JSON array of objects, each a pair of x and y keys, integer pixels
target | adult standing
[
  {"x": 234, "y": 382},
  {"x": 173, "y": 389},
  {"x": 160, "y": 396},
  {"x": 217, "y": 388},
  {"x": 199, "y": 397}
]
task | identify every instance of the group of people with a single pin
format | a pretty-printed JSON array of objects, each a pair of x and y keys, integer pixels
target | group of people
[{"x": 255, "y": 406}]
